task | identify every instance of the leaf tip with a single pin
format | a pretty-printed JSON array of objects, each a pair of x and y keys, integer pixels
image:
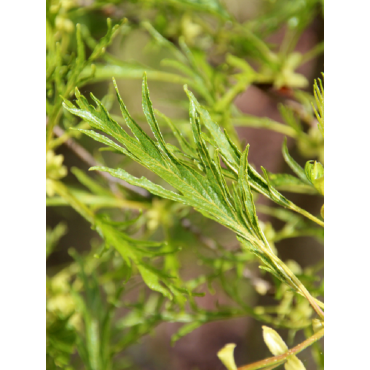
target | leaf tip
[{"x": 77, "y": 93}]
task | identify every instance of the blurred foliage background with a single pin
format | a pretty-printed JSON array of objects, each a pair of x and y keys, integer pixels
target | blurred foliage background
[{"x": 252, "y": 64}]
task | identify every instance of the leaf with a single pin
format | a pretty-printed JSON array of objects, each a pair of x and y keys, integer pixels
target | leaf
[
  {"x": 106, "y": 40},
  {"x": 247, "y": 197},
  {"x": 152, "y": 280},
  {"x": 162, "y": 41},
  {"x": 131, "y": 250},
  {"x": 286, "y": 182},
  {"x": 142, "y": 182},
  {"x": 290, "y": 118},
  {"x": 318, "y": 91},
  {"x": 296, "y": 168},
  {"x": 92, "y": 185},
  {"x": 185, "y": 146}
]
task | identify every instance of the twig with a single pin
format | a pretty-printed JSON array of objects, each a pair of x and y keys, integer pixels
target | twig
[
  {"x": 288, "y": 99},
  {"x": 89, "y": 159},
  {"x": 301, "y": 112},
  {"x": 282, "y": 358}
]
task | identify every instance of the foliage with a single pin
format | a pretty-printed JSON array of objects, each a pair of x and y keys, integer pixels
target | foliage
[{"x": 190, "y": 163}]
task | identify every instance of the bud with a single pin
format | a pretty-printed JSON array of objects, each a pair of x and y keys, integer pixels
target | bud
[
  {"x": 317, "y": 325},
  {"x": 294, "y": 363},
  {"x": 273, "y": 341},
  {"x": 226, "y": 355},
  {"x": 315, "y": 174}
]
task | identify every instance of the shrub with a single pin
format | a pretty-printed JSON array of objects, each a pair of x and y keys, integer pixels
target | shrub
[{"x": 193, "y": 160}]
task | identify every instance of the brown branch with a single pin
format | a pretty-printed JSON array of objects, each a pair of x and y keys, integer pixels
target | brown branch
[
  {"x": 89, "y": 159},
  {"x": 285, "y": 96}
]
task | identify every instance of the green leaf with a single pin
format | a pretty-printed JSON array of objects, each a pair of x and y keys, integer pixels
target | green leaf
[
  {"x": 152, "y": 280},
  {"x": 142, "y": 182},
  {"x": 245, "y": 194},
  {"x": 185, "y": 146},
  {"x": 295, "y": 167},
  {"x": 130, "y": 249},
  {"x": 286, "y": 182},
  {"x": 92, "y": 185},
  {"x": 318, "y": 91},
  {"x": 290, "y": 118}
]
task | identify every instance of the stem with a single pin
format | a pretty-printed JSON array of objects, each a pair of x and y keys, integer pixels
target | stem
[
  {"x": 81, "y": 208},
  {"x": 63, "y": 137},
  {"x": 315, "y": 51},
  {"x": 307, "y": 214},
  {"x": 251, "y": 121},
  {"x": 131, "y": 72},
  {"x": 96, "y": 201},
  {"x": 280, "y": 265},
  {"x": 313, "y": 302},
  {"x": 280, "y": 359}
]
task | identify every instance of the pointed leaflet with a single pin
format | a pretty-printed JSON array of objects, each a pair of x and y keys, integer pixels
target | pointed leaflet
[
  {"x": 142, "y": 138},
  {"x": 104, "y": 140},
  {"x": 286, "y": 182},
  {"x": 92, "y": 185},
  {"x": 296, "y": 168},
  {"x": 319, "y": 97},
  {"x": 152, "y": 280},
  {"x": 225, "y": 147},
  {"x": 185, "y": 146},
  {"x": 213, "y": 174},
  {"x": 246, "y": 195},
  {"x": 142, "y": 182},
  {"x": 150, "y": 117}
]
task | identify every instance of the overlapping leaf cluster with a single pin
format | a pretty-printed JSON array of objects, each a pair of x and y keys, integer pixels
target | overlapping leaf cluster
[{"x": 203, "y": 185}]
